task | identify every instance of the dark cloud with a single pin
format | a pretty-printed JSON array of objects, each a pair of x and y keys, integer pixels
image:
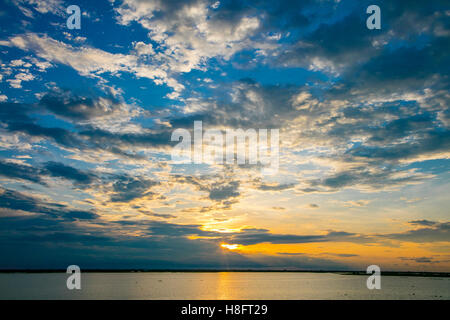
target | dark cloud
[
  {"x": 61, "y": 136},
  {"x": 428, "y": 143},
  {"x": 14, "y": 112},
  {"x": 255, "y": 237},
  {"x": 272, "y": 108},
  {"x": 346, "y": 255},
  {"x": 66, "y": 104},
  {"x": 64, "y": 237},
  {"x": 427, "y": 260},
  {"x": 171, "y": 229},
  {"x": 342, "y": 39},
  {"x": 423, "y": 222},
  {"x": 223, "y": 191},
  {"x": 219, "y": 189},
  {"x": 19, "y": 171},
  {"x": 439, "y": 232},
  {"x": 36, "y": 173},
  {"x": 60, "y": 170},
  {"x": 275, "y": 186},
  {"x": 127, "y": 188},
  {"x": 19, "y": 118},
  {"x": 14, "y": 200},
  {"x": 157, "y": 215},
  {"x": 110, "y": 140},
  {"x": 247, "y": 236},
  {"x": 338, "y": 45},
  {"x": 371, "y": 178}
]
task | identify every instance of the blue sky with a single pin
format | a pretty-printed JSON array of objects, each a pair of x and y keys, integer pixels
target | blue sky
[{"x": 87, "y": 116}]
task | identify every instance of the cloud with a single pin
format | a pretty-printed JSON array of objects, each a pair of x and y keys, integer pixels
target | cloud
[
  {"x": 191, "y": 32},
  {"x": 274, "y": 186},
  {"x": 157, "y": 215},
  {"x": 101, "y": 123},
  {"x": 75, "y": 108},
  {"x": 38, "y": 173},
  {"x": 220, "y": 191},
  {"x": 423, "y": 222},
  {"x": 16, "y": 117},
  {"x": 18, "y": 78},
  {"x": 346, "y": 255},
  {"x": 60, "y": 170},
  {"x": 439, "y": 232},
  {"x": 246, "y": 104},
  {"x": 170, "y": 230},
  {"x": 427, "y": 260},
  {"x": 358, "y": 111},
  {"x": 433, "y": 143},
  {"x": 369, "y": 179},
  {"x": 86, "y": 60},
  {"x": 43, "y": 7},
  {"x": 92, "y": 111},
  {"x": 342, "y": 44},
  {"x": 14, "y": 200},
  {"x": 19, "y": 171},
  {"x": 127, "y": 188},
  {"x": 251, "y": 237},
  {"x": 331, "y": 47},
  {"x": 165, "y": 248}
]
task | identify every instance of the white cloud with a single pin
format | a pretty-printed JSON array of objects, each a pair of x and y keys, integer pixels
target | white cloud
[
  {"x": 17, "y": 63},
  {"x": 189, "y": 36},
  {"x": 90, "y": 61},
  {"x": 143, "y": 49},
  {"x": 17, "y": 81},
  {"x": 215, "y": 5},
  {"x": 42, "y": 6}
]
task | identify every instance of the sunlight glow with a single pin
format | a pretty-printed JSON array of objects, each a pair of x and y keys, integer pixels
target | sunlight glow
[{"x": 229, "y": 246}]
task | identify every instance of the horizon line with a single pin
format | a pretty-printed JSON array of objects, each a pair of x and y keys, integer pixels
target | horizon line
[{"x": 139, "y": 270}]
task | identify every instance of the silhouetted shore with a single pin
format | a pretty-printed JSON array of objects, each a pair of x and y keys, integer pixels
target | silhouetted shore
[{"x": 360, "y": 273}]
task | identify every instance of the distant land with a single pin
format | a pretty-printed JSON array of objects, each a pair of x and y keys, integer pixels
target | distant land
[{"x": 357, "y": 273}]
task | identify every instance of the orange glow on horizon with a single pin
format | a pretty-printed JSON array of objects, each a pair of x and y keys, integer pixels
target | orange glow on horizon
[{"x": 229, "y": 246}]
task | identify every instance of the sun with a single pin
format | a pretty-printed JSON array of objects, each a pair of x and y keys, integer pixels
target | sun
[{"x": 229, "y": 246}]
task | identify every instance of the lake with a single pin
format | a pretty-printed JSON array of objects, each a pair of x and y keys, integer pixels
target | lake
[{"x": 219, "y": 285}]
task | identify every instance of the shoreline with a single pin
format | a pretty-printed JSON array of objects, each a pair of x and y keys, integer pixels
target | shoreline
[{"x": 357, "y": 273}]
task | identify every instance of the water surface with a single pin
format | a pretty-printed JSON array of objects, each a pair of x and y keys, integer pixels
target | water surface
[{"x": 219, "y": 285}]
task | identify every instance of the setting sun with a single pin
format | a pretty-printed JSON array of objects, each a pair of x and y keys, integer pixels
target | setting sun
[{"x": 229, "y": 246}]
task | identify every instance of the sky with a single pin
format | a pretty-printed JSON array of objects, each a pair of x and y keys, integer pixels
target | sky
[{"x": 87, "y": 115}]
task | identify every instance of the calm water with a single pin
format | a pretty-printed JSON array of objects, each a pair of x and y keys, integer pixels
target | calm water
[{"x": 221, "y": 285}]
